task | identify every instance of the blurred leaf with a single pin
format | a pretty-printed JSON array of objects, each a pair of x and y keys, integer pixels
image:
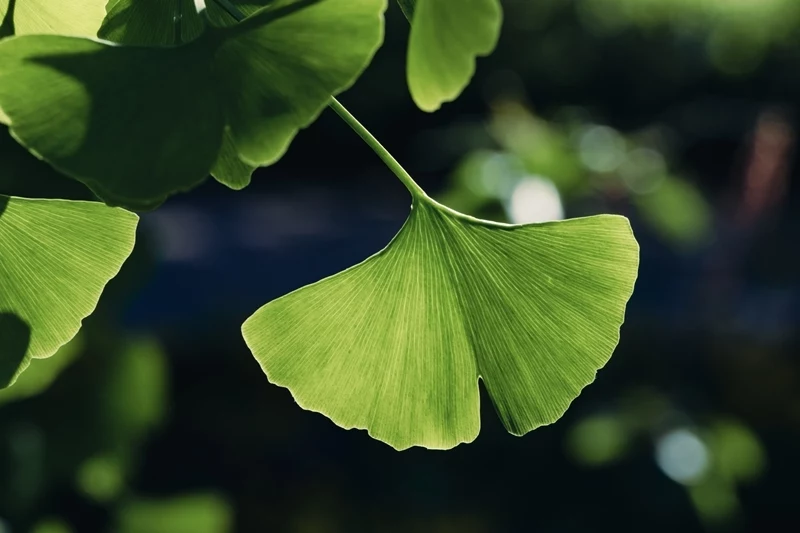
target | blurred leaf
[
  {"x": 543, "y": 149},
  {"x": 264, "y": 79},
  {"x": 41, "y": 373},
  {"x": 715, "y": 501},
  {"x": 55, "y": 258},
  {"x": 136, "y": 389},
  {"x": 677, "y": 211},
  {"x": 63, "y": 17},
  {"x": 52, "y": 525},
  {"x": 598, "y": 440},
  {"x": 738, "y": 453},
  {"x": 446, "y": 37},
  {"x": 102, "y": 478},
  {"x": 396, "y": 344},
  {"x": 200, "y": 513}
]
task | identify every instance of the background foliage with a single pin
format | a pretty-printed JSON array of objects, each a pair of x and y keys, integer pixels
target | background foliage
[{"x": 680, "y": 115}]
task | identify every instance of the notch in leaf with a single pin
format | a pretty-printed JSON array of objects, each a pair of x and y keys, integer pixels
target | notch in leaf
[
  {"x": 446, "y": 38},
  {"x": 396, "y": 345},
  {"x": 137, "y": 124},
  {"x": 56, "y": 256}
]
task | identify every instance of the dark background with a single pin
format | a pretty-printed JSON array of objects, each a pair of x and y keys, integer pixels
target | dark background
[{"x": 163, "y": 421}]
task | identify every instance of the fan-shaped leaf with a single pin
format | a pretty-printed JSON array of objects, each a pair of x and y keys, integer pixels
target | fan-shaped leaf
[
  {"x": 446, "y": 37},
  {"x": 261, "y": 80},
  {"x": 55, "y": 258},
  {"x": 396, "y": 344}
]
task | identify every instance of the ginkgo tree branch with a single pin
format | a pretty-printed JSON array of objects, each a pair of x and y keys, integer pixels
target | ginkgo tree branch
[{"x": 415, "y": 190}]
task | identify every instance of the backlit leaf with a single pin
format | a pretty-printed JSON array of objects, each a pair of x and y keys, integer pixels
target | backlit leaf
[
  {"x": 446, "y": 37},
  {"x": 396, "y": 345},
  {"x": 261, "y": 80},
  {"x": 55, "y": 258},
  {"x": 59, "y": 17}
]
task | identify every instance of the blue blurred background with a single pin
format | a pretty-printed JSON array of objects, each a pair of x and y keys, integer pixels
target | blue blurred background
[{"x": 680, "y": 114}]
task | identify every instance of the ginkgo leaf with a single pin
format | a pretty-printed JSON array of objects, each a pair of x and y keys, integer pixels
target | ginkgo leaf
[
  {"x": 407, "y": 6},
  {"x": 446, "y": 37},
  {"x": 172, "y": 22},
  {"x": 58, "y": 17},
  {"x": 22, "y": 174},
  {"x": 261, "y": 80},
  {"x": 55, "y": 258},
  {"x": 166, "y": 22},
  {"x": 41, "y": 373},
  {"x": 396, "y": 344}
]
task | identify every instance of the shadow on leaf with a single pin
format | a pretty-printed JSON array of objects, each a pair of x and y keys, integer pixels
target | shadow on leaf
[
  {"x": 15, "y": 335},
  {"x": 7, "y": 28}
]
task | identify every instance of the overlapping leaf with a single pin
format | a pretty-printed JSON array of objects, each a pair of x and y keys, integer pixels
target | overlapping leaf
[
  {"x": 55, "y": 258},
  {"x": 61, "y": 17},
  {"x": 166, "y": 22},
  {"x": 446, "y": 37},
  {"x": 138, "y": 124},
  {"x": 396, "y": 345}
]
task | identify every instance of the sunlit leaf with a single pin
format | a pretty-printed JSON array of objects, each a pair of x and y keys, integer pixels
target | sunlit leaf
[
  {"x": 446, "y": 37},
  {"x": 61, "y": 17},
  {"x": 396, "y": 344},
  {"x": 262, "y": 80},
  {"x": 55, "y": 258}
]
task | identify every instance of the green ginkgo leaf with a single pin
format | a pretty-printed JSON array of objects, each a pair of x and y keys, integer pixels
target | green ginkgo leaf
[
  {"x": 137, "y": 124},
  {"x": 58, "y": 17},
  {"x": 55, "y": 258},
  {"x": 166, "y": 22},
  {"x": 173, "y": 22},
  {"x": 396, "y": 345},
  {"x": 446, "y": 37}
]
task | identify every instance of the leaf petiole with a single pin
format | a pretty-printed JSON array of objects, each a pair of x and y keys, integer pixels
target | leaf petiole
[{"x": 415, "y": 190}]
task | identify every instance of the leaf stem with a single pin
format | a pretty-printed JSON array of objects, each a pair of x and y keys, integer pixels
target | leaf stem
[{"x": 415, "y": 190}]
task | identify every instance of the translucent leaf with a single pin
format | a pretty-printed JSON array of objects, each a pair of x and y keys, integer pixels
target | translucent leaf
[
  {"x": 62, "y": 17},
  {"x": 262, "y": 80},
  {"x": 55, "y": 258},
  {"x": 446, "y": 37},
  {"x": 396, "y": 344}
]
